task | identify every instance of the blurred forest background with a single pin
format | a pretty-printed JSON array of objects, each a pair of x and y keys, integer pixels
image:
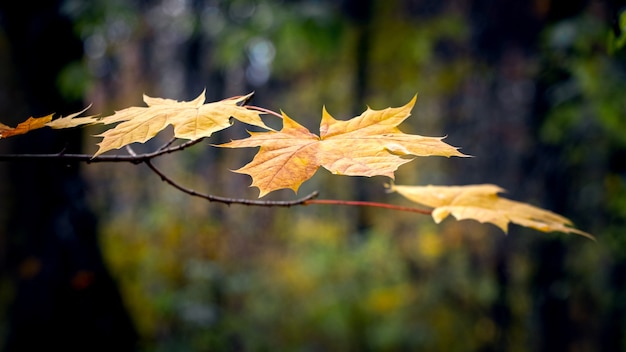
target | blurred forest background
[{"x": 108, "y": 257}]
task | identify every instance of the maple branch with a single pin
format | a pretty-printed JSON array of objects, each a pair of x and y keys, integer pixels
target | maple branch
[
  {"x": 306, "y": 200},
  {"x": 212, "y": 198},
  {"x": 367, "y": 204},
  {"x": 226, "y": 200},
  {"x": 134, "y": 159},
  {"x": 146, "y": 158}
]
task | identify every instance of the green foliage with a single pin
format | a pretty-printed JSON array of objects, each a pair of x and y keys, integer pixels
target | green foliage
[
  {"x": 311, "y": 287},
  {"x": 592, "y": 94},
  {"x": 617, "y": 42},
  {"x": 74, "y": 81}
]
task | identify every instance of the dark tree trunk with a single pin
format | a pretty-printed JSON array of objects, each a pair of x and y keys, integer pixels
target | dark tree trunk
[
  {"x": 65, "y": 299},
  {"x": 360, "y": 13}
]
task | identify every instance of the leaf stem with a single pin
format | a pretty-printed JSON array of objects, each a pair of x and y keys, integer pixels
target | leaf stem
[
  {"x": 264, "y": 110},
  {"x": 367, "y": 204}
]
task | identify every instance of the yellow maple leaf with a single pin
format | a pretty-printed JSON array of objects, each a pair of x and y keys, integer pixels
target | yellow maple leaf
[
  {"x": 191, "y": 120},
  {"x": 72, "y": 120},
  {"x": 32, "y": 123},
  {"x": 481, "y": 203},
  {"x": 367, "y": 145}
]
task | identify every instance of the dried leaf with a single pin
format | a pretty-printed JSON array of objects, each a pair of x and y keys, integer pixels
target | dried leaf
[
  {"x": 366, "y": 145},
  {"x": 32, "y": 123},
  {"x": 191, "y": 120},
  {"x": 481, "y": 203},
  {"x": 72, "y": 120}
]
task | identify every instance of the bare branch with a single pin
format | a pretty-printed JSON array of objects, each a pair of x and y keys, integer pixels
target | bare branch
[
  {"x": 135, "y": 159},
  {"x": 168, "y": 144},
  {"x": 167, "y": 148},
  {"x": 226, "y": 200}
]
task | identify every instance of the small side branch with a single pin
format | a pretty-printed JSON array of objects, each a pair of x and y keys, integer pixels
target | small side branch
[
  {"x": 226, "y": 200},
  {"x": 306, "y": 200}
]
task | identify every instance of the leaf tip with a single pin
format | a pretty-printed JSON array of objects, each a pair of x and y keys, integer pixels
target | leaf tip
[
  {"x": 246, "y": 98},
  {"x": 583, "y": 233}
]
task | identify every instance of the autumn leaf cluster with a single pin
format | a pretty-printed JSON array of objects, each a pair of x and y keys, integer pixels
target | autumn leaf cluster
[{"x": 370, "y": 144}]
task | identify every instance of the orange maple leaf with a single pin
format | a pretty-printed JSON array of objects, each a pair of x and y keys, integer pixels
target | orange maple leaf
[
  {"x": 366, "y": 145},
  {"x": 32, "y": 123},
  {"x": 481, "y": 203},
  {"x": 191, "y": 120}
]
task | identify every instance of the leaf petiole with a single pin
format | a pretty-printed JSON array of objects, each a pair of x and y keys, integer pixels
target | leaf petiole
[
  {"x": 366, "y": 204},
  {"x": 263, "y": 110}
]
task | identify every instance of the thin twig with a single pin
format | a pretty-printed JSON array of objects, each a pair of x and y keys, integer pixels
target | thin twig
[
  {"x": 130, "y": 150},
  {"x": 226, "y": 200},
  {"x": 169, "y": 150},
  {"x": 135, "y": 159},
  {"x": 168, "y": 144},
  {"x": 146, "y": 158},
  {"x": 72, "y": 157}
]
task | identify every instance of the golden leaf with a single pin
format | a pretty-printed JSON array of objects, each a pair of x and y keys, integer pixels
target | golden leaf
[
  {"x": 191, "y": 120},
  {"x": 72, "y": 120},
  {"x": 481, "y": 203},
  {"x": 366, "y": 145},
  {"x": 32, "y": 123}
]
